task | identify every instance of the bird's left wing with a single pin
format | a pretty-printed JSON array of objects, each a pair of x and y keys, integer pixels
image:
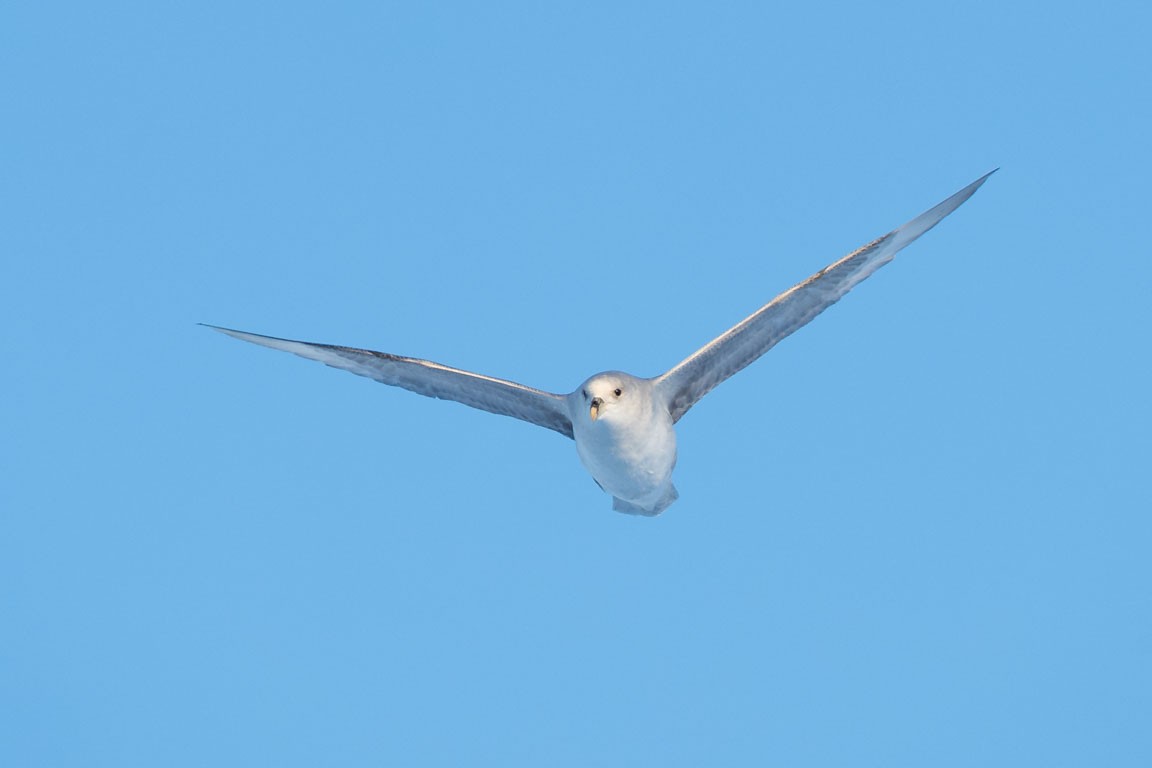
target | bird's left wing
[
  {"x": 683, "y": 386},
  {"x": 431, "y": 379}
]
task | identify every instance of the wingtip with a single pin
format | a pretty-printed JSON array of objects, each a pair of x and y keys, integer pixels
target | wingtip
[
  {"x": 980, "y": 181},
  {"x": 960, "y": 197},
  {"x": 242, "y": 335},
  {"x": 910, "y": 231}
]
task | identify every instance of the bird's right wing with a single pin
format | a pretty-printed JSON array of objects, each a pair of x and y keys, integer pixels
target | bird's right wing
[
  {"x": 683, "y": 386},
  {"x": 431, "y": 379}
]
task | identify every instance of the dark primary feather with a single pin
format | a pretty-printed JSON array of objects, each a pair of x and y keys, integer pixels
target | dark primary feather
[
  {"x": 683, "y": 386},
  {"x": 431, "y": 379}
]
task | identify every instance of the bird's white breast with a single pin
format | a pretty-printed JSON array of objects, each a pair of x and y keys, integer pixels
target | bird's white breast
[{"x": 630, "y": 454}]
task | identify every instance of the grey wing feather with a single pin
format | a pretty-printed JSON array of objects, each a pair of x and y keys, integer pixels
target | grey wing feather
[
  {"x": 683, "y": 386},
  {"x": 431, "y": 379}
]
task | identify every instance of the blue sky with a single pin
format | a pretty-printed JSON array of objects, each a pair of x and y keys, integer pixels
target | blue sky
[{"x": 915, "y": 533}]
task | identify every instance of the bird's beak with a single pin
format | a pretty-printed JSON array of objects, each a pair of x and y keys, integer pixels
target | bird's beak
[{"x": 595, "y": 410}]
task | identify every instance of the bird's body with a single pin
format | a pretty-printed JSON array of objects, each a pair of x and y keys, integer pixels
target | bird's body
[
  {"x": 624, "y": 425},
  {"x": 630, "y": 447}
]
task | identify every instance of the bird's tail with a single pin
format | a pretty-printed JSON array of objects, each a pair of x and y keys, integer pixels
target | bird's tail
[{"x": 629, "y": 508}]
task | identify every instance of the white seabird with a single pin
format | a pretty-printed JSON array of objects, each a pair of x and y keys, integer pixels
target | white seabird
[{"x": 623, "y": 425}]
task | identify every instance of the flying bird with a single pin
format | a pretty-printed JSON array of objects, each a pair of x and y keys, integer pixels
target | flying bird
[{"x": 623, "y": 425}]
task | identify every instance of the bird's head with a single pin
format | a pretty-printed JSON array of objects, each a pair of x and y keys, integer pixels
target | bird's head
[{"x": 611, "y": 395}]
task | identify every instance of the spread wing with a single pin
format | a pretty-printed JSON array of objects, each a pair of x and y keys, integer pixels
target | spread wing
[
  {"x": 431, "y": 379},
  {"x": 730, "y": 352}
]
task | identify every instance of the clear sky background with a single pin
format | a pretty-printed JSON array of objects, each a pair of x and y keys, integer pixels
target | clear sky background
[{"x": 916, "y": 533}]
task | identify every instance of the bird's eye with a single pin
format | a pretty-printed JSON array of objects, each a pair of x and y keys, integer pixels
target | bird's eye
[
  {"x": 585, "y": 393},
  {"x": 617, "y": 392}
]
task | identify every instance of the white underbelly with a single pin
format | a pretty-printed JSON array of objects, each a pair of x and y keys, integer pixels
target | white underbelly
[{"x": 635, "y": 465}]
